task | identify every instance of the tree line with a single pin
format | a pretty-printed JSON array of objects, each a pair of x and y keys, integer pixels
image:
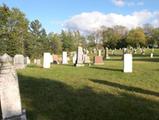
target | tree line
[{"x": 18, "y": 35}]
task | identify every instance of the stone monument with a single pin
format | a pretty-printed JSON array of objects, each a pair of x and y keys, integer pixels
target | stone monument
[
  {"x": 151, "y": 55},
  {"x": 19, "y": 61},
  {"x": 99, "y": 53},
  {"x": 64, "y": 58},
  {"x": 74, "y": 58},
  {"x": 38, "y": 62},
  {"x": 46, "y": 60},
  {"x": 79, "y": 60},
  {"x": 9, "y": 91},
  {"x": 127, "y": 63},
  {"x": 86, "y": 59},
  {"x": 107, "y": 53},
  {"x": 27, "y": 60}
]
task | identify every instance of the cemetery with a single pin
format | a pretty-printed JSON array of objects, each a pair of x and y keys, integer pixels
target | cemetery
[
  {"x": 115, "y": 89},
  {"x": 107, "y": 71}
]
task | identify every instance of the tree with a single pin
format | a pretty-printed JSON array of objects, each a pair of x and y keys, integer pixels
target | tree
[
  {"x": 14, "y": 27},
  {"x": 67, "y": 41},
  {"x": 91, "y": 40},
  {"x": 136, "y": 38},
  {"x": 154, "y": 39},
  {"x": 55, "y": 43},
  {"x": 38, "y": 43}
]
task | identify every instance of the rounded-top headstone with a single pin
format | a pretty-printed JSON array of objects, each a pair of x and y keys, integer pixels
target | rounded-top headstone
[{"x": 5, "y": 58}]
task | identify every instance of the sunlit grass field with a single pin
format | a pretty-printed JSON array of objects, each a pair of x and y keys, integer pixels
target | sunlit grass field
[{"x": 65, "y": 92}]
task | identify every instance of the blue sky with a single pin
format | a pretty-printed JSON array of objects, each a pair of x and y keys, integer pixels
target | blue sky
[{"x": 58, "y": 14}]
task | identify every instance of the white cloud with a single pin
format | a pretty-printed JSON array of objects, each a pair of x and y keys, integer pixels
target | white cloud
[
  {"x": 91, "y": 21},
  {"x": 119, "y": 3}
]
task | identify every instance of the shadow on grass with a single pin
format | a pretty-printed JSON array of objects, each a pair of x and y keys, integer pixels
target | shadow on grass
[
  {"x": 127, "y": 88},
  {"x": 46, "y": 99},
  {"x": 110, "y": 69},
  {"x": 146, "y": 59}
]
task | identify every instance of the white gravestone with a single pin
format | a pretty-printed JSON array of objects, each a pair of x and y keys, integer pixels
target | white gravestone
[
  {"x": 79, "y": 61},
  {"x": 107, "y": 53},
  {"x": 27, "y": 60},
  {"x": 51, "y": 58},
  {"x": 19, "y": 61},
  {"x": 35, "y": 60},
  {"x": 64, "y": 58},
  {"x": 86, "y": 59},
  {"x": 38, "y": 62},
  {"x": 99, "y": 53},
  {"x": 9, "y": 91},
  {"x": 151, "y": 55},
  {"x": 46, "y": 60},
  {"x": 74, "y": 58},
  {"x": 127, "y": 63}
]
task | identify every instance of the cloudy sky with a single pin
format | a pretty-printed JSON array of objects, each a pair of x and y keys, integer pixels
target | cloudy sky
[{"x": 88, "y": 15}]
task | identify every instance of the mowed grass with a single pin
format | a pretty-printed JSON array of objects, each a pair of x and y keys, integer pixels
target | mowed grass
[{"x": 65, "y": 92}]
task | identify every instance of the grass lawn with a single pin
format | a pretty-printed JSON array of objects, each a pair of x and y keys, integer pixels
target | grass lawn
[{"x": 103, "y": 92}]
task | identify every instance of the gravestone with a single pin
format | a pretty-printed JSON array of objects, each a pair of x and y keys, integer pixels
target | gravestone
[
  {"x": 56, "y": 59},
  {"x": 107, "y": 53},
  {"x": 51, "y": 59},
  {"x": 86, "y": 59},
  {"x": 98, "y": 60},
  {"x": 127, "y": 63},
  {"x": 99, "y": 53},
  {"x": 35, "y": 60},
  {"x": 64, "y": 58},
  {"x": 38, "y": 62},
  {"x": 46, "y": 60},
  {"x": 143, "y": 51},
  {"x": 9, "y": 91},
  {"x": 27, "y": 60},
  {"x": 74, "y": 58},
  {"x": 19, "y": 61},
  {"x": 79, "y": 60},
  {"x": 124, "y": 51},
  {"x": 151, "y": 55}
]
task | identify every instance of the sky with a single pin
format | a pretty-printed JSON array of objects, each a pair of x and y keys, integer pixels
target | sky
[{"x": 88, "y": 15}]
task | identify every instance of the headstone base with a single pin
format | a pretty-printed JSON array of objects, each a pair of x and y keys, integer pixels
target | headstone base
[
  {"x": 19, "y": 117},
  {"x": 79, "y": 65},
  {"x": 20, "y": 66},
  {"x": 98, "y": 63},
  {"x": 108, "y": 57}
]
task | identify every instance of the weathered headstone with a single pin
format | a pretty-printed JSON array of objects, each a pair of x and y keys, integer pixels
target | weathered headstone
[
  {"x": 19, "y": 61},
  {"x": 107, "y": 53},
  {"x": 79, "y": 60},
  {"x": 38, "y": 62},
  {"x": 127, "y": 63},
  {"x": 46, "y": 60},
  {"x": 35, "y": 60},
  {"x": 143, "y": 51},
  {"x": 9, "y": 91},
  {"x": 86, "y": 59},
  {"x": 64, "y": 58},
  {"x": 74, "y": 58},
  {"x": 27, "y": 60},
  {"x": 51, "y": 59},
  {"x": 99, "y": 53}
]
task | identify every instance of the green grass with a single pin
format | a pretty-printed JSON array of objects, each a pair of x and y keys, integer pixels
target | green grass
[{"x": 65, "y": 92}]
